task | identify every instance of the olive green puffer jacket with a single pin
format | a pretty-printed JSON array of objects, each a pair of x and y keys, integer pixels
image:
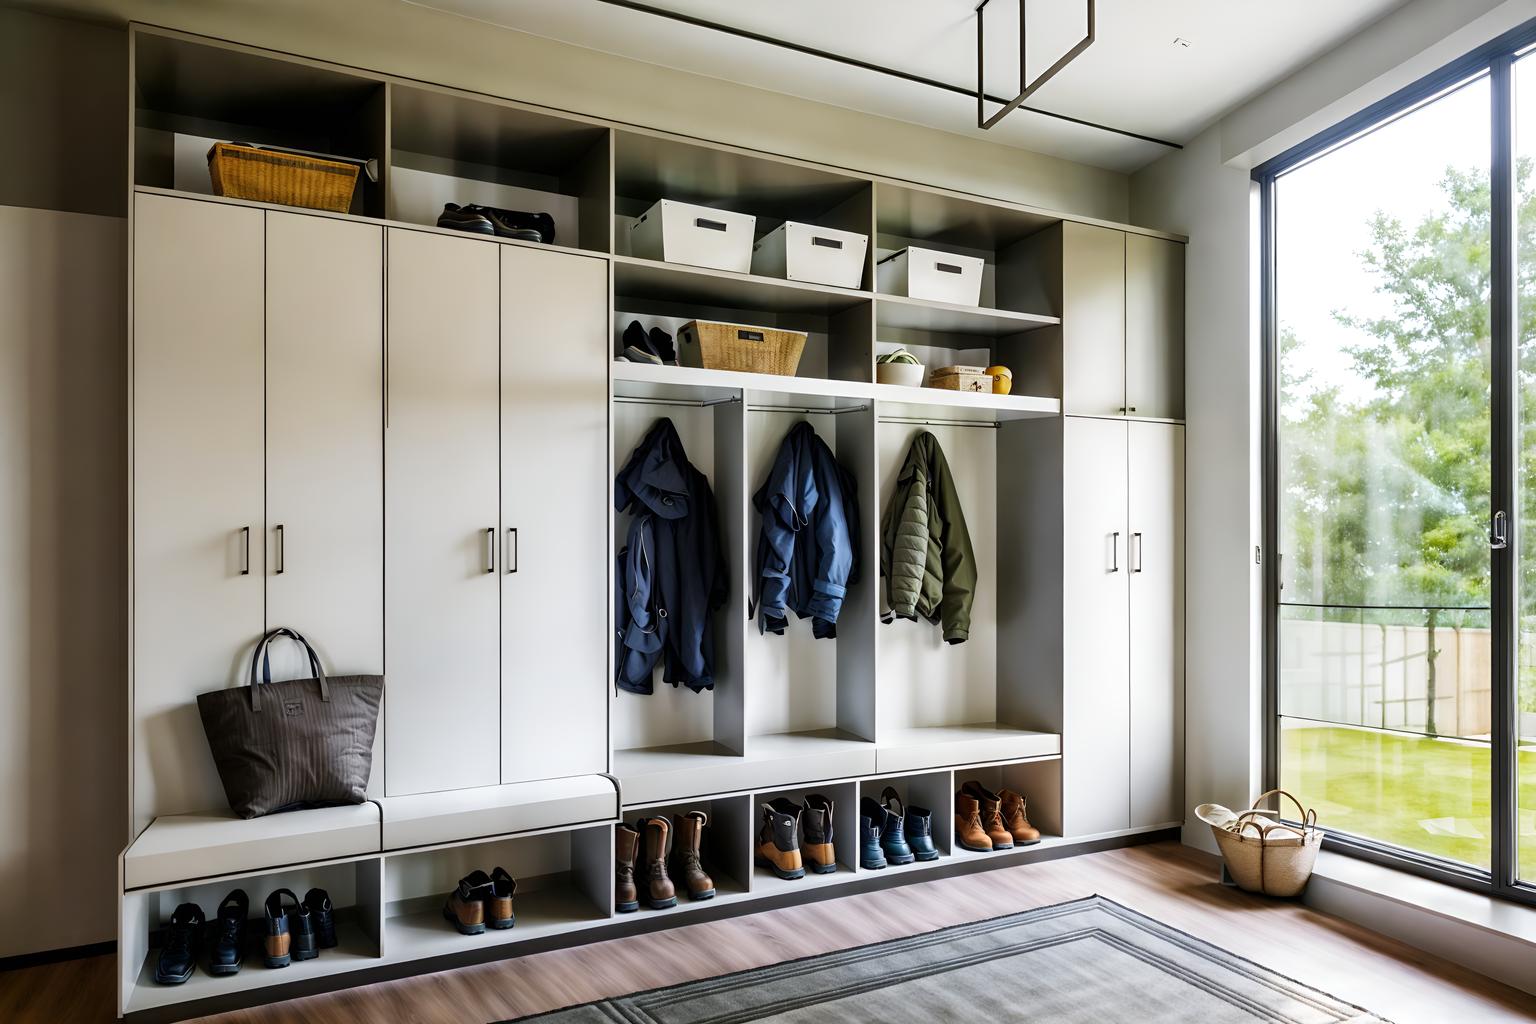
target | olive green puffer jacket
[{"x": 925, "y": 549}]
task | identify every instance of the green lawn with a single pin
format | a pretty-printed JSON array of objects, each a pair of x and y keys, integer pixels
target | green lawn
[{"x": 1427, "y": 794}]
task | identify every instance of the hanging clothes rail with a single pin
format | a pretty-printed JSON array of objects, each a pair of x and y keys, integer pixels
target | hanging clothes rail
[
  {"x": 806, "y": 410},
  {"x": 982, "y": 424},
  {"x": 691, "y": 403}
]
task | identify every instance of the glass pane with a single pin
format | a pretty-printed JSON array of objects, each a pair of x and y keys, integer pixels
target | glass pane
[
  {"x": 1384, "y": 480},
  {"x": 1525, "y": 477}
]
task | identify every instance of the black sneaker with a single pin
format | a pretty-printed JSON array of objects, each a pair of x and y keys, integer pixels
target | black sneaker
[
  {"x": 227, "y": 934},
  {"x": 323, "y": 916},
  {"x": 637, "y": 345},
  {"x": 661, "y": 344},
  {"x": 529, "y": 227},
  {"x": 465, "y": 218},
  {"x": 179, "y": 944}
]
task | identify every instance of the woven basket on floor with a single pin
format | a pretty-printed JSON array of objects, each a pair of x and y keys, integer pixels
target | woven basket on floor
[
  {"x": 245, "y": 172},
  {"x": 720, "y": 346},
  {"x": 1271, "y": 857}
]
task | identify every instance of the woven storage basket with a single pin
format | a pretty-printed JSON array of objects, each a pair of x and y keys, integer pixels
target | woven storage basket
[
  {"x": 245, "y": 172},
  {"x": 961, "y": 378},
  {"x": 722, "y": 346},
  {"x": 1270, "y": 857}
]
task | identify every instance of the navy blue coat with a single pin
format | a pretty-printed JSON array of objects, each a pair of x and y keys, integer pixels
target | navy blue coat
[
  {"x": 671, "y": 576},
  {"x": 808, "y": 538}
]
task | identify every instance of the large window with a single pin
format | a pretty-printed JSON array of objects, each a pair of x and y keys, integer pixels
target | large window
[{"x": 1400, "y": 323}]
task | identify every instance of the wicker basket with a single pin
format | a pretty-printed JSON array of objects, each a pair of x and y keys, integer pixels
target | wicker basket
[
  {"x": 722, "y": 346},
  {"x": 1270, "y": 857},
  {"x": 962, "y": 378},
  {"x": 246, "y": 172}
]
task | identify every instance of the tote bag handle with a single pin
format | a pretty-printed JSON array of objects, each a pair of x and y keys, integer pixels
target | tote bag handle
[{"x": 263, "y": 657}]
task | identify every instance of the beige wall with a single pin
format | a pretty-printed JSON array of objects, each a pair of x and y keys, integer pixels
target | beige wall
[
  {"x": 414, "y": 42},
  {"x": 63, "y": 577}
]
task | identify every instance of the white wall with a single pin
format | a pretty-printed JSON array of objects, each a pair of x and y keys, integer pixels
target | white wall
[{"x": 63, "y": 577}]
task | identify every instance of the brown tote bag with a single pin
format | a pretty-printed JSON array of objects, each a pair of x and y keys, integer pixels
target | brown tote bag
[{"x": 300, "y": 743}]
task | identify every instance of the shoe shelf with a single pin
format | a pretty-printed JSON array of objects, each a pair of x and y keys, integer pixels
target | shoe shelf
[
  {"x": 844, "y": 797},
  {"x": 725, "y": 852}
]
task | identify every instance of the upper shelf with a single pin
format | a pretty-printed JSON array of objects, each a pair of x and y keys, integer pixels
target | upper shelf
[
  {"x": 899, "y": 311},
  {"x": 946, "y": 218},
  {"x": 673, "y": 282}
]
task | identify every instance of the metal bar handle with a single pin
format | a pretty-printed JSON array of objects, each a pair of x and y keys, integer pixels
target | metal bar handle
[
  {"x": 282, "y": 556},
  {"x": 1114, "y": 553},
  {"x": 490, "y": 549},
  {"x": 245, "y": 557},
  {"x": 511, "y": 557},
  {"x": 1137, "y": 542}
]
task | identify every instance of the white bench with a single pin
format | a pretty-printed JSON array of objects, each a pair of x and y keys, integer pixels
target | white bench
[{"x": 460, "y": 815}]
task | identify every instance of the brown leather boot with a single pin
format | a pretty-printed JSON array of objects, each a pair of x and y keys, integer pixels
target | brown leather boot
[
  {"x": 778, "y": 840},
  {"x": 968, "y": 831},
  {"x": 465, "y": 908},
  {"x": 1016, "y": 818},
  {"x": 626, "y": 843},
  {"x": 991, "y": 815},
  {"x": 657, "y": 833},
  {"x": 816, "y": 835},
  {"x": 689, "y": 829}
]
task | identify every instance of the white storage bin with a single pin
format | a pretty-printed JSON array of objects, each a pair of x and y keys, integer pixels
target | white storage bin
[
  {"x": 931, "y": 274},
  {"x": 695, "y": 235},
  {"x": 805, "y": 252}
]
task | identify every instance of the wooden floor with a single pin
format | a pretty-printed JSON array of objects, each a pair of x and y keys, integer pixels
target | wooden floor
[{"x": 1168, "y": 882}]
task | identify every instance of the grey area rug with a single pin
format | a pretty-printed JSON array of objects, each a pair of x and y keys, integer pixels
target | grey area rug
[{"x": 1090, "y": 961}]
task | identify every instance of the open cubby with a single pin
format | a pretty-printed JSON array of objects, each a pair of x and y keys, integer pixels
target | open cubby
[
  {"x": 845, "y": 836},
  {"x": 356, "y": 891},
  {"x": 1038, "y": 781},
  {"x": 188, "y": 95},
  {"x": 450, "y": 148},
  {"x": 928, "y": 790},
  {"x": 726, "y": 850},
  {"x": 564, "y": 882}
]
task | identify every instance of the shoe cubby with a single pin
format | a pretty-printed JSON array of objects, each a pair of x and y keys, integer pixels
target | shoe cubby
[
  {"x": 845, "y": 837},
  {"x": 188, "y": 94},
  {"x": 449, "y": 148},
  {"x": 928, "y": 790},
  {"x": 670, "y": 743},
  {"x": 726, "y": 851},
  {"x": 1038, "y": 781},
  {"x": 650, "y": 167},
  {"x": 564, "y": 883},
  {"x": 799, "y": 685},
  {"x": 356, "y": 891}
]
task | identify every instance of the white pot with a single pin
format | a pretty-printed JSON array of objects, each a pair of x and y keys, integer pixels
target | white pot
[{"x": 908, "y": 375}]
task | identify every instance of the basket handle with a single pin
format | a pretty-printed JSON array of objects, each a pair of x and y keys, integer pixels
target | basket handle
[
  {"x": 1308, "y": 815},
  {"x": 1264, "y": 828}
]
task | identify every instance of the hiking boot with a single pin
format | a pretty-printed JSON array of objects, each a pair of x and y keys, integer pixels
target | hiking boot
[
  {"x": 816, "y": 835},
  {"x": 626, "y": 843},
  {"x": 661, "y": 343},
  {"x": 689, "y": 829},
  {"x": 991, "y": 815},
  {"x": 227, "y": 951},
  {"x": 466, "y": 904},
  {"x": 322, "y": 916},
  {"x": 919, "y": 828},
  {"x": 893, "y": 838},
  {"x": 179, "y": 944},
  {"x": 968, "y": 831},
  {"x": 656, "y": 837},
  {"x": 778, "y": 840},
  {"x": 464, "y": 218},
  {"x": 528, "y": 227},
  {"x": 872, "y": 817},
  {"x": 290, "y": 932},
  {"x": 1016, "y": 818},
  {"x": 498, "y": 905}
]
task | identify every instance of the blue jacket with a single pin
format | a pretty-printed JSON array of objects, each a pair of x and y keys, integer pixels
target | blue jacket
[
  {"x": 808, "y": 540},
  {"x": 671, "y": 576}
]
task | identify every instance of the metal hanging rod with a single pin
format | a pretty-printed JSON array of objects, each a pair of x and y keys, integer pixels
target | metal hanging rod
[
  {"x": 982, "y": 424},
  {"x": 853, "y": 62},
  {"x": 806, "y": 410},
  {"x": 691, "y": 403}
]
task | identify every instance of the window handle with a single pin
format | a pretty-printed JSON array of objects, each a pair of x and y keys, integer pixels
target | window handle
[
  {"x": 1114, "y": 553},
  {"x": 1498, "y": 537}
]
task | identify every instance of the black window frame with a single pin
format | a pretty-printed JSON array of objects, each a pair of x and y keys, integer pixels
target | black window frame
[{"x": 1496, "y": 60}]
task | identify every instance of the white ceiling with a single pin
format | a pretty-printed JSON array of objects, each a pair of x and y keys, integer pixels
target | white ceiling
[{"x": 1133, "y": 77}]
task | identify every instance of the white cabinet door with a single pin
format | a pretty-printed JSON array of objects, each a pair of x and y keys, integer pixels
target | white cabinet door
[
  {"x": 1154, "y": 327},
  {"x": 441, "y": 594},
  {"x": 554, "y": 509},
  {"x": 325, "y": 440},
  {"x": 197, "y": 484},
  {"x": 1093, "y": 320},
  {"x": 1095, "y": 683},
  {"x": 1157, "y": 623}
]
